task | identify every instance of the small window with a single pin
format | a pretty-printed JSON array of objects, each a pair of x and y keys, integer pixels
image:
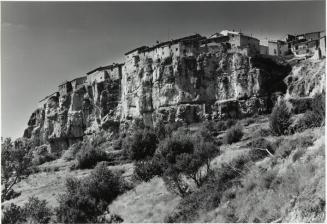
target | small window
[
  {"x": 176, "y": 49},
  {"x": 275, "y": 52}
]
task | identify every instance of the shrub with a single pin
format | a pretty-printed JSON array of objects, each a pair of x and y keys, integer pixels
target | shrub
[
  {"x": 230, "y": 122},
  {"x": 42, "y": 155},
  {"x": 13, "y": 214},
  {"x": 146, "y": 170},
  {"x": 88, "y": 156},
  {"x": 286, "y": 146},
  {"x": 319, "y": 106},
  {"x": 221, "y": 126},
  {"x": 234, "y": 134},
  {"x": 70, "y": 154},
  {"x": 248, "y": 121},
  {"x": 85, "y": 200},
  {"x": 15, "y": 165},
  {"x": 258, "y": 148},
  {"x": 309, "y": 120},
  {"x": 36, "y": 211},
  {"x": 141, "y": 145},
  {"x": 183, "y": 155},
  {"x": 280, "y": 118},
  {"x": 209, "y": 194}
]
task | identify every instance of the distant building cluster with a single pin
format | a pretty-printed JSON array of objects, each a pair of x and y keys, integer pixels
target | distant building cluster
[{"x": 306, "y": 44}]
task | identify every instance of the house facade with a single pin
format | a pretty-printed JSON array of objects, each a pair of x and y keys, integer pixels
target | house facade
[{"x": 277, "y": 48}]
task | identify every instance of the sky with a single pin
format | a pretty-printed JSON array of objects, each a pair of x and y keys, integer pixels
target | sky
[{"x": 46, "y": 43}]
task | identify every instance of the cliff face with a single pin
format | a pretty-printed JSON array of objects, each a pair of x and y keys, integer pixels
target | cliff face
[
  {"x": 306, "y": 79},
  {"x": 205, "y": 85},
  {"x": 184, "y": 82},
  {"x": 66, "y": 118}
]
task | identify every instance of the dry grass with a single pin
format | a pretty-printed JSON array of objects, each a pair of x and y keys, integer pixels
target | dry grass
[
  {"x": 148, "y": 202},
  {"x": 48, "y": 185}
]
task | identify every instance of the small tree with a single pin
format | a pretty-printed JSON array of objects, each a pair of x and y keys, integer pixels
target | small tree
[
  {"x": 13, "y": 214},
  {"x": 15, "y": 163},
  {"x": 86, "y": 199},
  {"x": 280, "y": 118},
  {"x": 88, "y": 156},
  {"x": 141, "y": 144},
  {"x": 145, "y": 170},
  {"x": 234, "y": 134},
  {"x": 36, "y": 211},
  {"x": 182, "y": 155}
]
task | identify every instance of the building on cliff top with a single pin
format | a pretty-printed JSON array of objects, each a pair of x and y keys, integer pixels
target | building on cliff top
[
  {"x": 308, "y": 43},
  {"x": 42, "y": 102},
  {"x": 277, "y": 48},
  {"x": 65, "y": 88},
  {"x": 264, "y": 49},
  {"x": 113, "y": 72},
  {"x": 185, "y": 46},
  {"x": 78, "y": 82},
  {"x": 238, "y": 41}
]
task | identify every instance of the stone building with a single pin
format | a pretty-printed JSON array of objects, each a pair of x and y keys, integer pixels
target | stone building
[
  {"x": 307, "y": 43},
  {"x": 78, "y": 82},
  {"x": 277, "y": 48},
  {"x": 65, "y": 88},
  {"x": 242, "y": 41},
  {"x": 264, "y": 49},
  {"x": 42, "y": 102},
  {"x": 100, "y": 74}
]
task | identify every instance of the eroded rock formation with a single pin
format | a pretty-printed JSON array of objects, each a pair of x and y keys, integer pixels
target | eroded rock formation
[{"x": 186, "y": 81}]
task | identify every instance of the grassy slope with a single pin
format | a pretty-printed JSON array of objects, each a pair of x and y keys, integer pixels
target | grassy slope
[
  {"x": 50, "y": 183},
  {"x": 151, "y": 202},
  {"x": 296, "y": 192},
  {"x": 148, "y": 202}
]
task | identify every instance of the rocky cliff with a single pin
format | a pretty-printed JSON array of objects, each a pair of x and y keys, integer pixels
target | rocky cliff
[{"x": 197, "y": 83}]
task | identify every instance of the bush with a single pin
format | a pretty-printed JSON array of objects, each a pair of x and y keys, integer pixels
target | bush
[
  {"x": 209, "y": 194},
  {"x": 85, "y": 200},
  {"x": 146, "y": 170},
  {"x": 280, "y": 118},
  {"x": 34, "y": 211},
  {"x": 248, "y": 121},
  {"x": 70, "y": 154},
  {"x": 258, "y": 148},
  {"x": 286, "y": 146},
  {"x": 230, "y": 122},
  {"x": 233, "y": 135},
  {"x": 88, "y": 156},
  {"x": 182, "y": 155},
  {"x": 42, "y": 155},
  {"x": 319, "y": 106},
  {"x": 141, "y": 145},
  {"x": 15, "y": 165},
  {"x": 13, "y": 214},
  {"x": 309, "y": 120},
  {"x": 216, "y": 127}
]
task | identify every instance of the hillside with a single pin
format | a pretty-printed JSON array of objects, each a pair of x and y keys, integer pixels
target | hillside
[{"x": 198, "y": 134}]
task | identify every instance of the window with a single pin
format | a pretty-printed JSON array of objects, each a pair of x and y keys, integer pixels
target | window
[
  {"x": 176, "y": 49},
  {"x": 275, "y": 52}
]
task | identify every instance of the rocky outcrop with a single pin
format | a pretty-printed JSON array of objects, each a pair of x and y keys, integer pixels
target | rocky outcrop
[
  {"x": 306, "y": 79},
  {"x": 205, "y": 85},
  {"x": 186, "y": 82}
]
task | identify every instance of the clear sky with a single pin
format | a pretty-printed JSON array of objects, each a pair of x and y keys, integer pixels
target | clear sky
[{"x": 45, "y": 43}]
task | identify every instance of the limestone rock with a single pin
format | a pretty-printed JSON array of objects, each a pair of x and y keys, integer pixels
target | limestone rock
[{"x": 181, "y": 82}]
